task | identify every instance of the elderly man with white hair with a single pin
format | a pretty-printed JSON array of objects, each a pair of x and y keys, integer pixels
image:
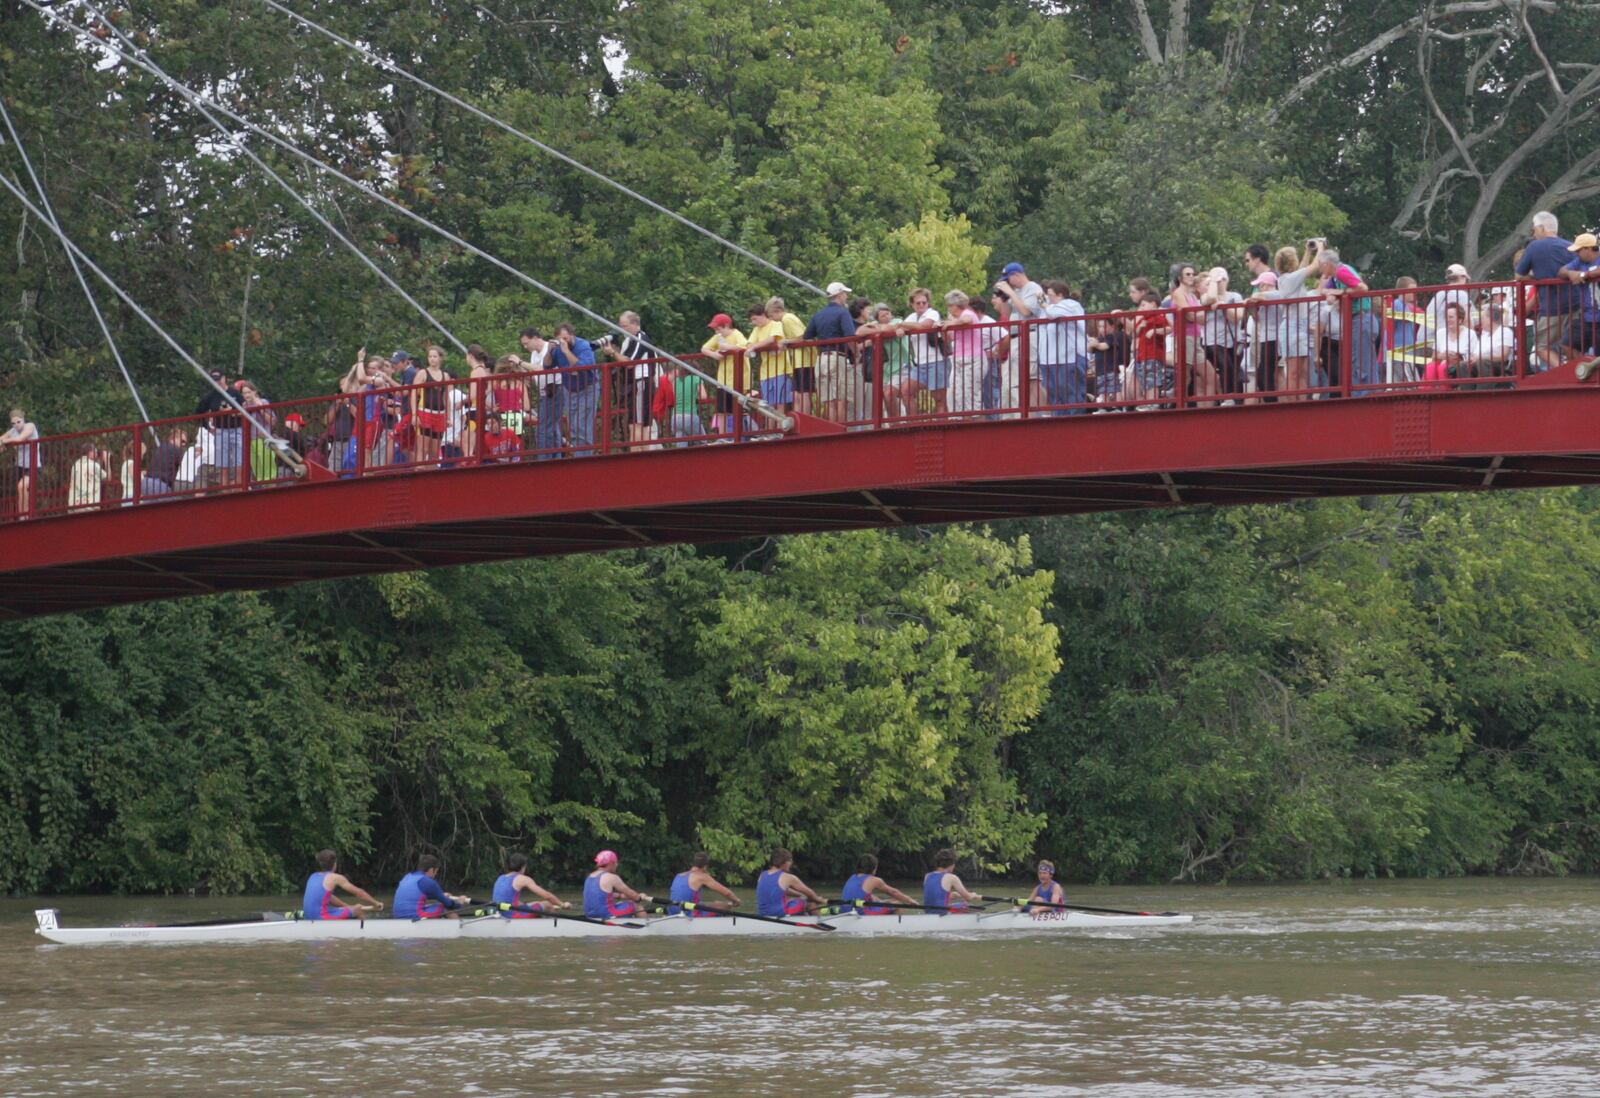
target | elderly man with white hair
[
  {"x": 1544, "y": 257},
  {"x": 1339, "y": 279}
]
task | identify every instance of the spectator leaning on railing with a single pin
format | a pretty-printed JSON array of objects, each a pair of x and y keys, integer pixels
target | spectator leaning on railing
[
  {"x": 583, "y": 386},
  {"x": 1583, "y": 271},
  {"x": 23, "y": 436},
  {"x": 1546, "y": 256},
  {"x": 833, "y": 370}
]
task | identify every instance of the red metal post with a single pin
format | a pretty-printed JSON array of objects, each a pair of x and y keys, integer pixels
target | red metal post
[
  {"x": 1524, "y": 352},
  {"x": 480, "y": 416},
  {"x": 739, "y": 387},
  {"x": 1021, "y": 338},
  {"x": 361, "y": 435},
  {"x": 1180, "y": 358},
  {"x": 1346, "y": 341},
  {"x": 605, "y": 408},
  {"x": 880, "y": 362},
  {"x": 246, "y": 438},
  {"x": 137, "y": 476}
]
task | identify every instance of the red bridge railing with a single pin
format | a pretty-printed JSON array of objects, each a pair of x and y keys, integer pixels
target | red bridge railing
[{"x": 1140, "y": 362}]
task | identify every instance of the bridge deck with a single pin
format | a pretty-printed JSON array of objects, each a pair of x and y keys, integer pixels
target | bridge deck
[{"x": 1540, "y": 435}]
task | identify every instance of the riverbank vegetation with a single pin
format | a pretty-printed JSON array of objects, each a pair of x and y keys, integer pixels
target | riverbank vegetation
[{"x": 1403, "y": 685}]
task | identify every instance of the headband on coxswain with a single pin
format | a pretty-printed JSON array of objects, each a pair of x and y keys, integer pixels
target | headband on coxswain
[{"x": 606, "y": 857}]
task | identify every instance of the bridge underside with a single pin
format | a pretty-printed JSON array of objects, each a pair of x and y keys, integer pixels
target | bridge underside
[{"x": 981, "y": 471}]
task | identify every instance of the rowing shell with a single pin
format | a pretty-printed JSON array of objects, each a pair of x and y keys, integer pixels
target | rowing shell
[{"x": 284, "y": 929}]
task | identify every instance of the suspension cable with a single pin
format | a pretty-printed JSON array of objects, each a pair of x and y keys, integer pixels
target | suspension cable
[
  {"x": 280, "y": 446},
  {"x": 389, "y": 66},
  {"x": 94, "y": 306},
  {"x": 140, "y": 58},
  {"x": 237, "y": 142}
]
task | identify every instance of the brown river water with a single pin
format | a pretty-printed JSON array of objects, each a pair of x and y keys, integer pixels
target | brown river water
[{"x": 1478, "y": 987}]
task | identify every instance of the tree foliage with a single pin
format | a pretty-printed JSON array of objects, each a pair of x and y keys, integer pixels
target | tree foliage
[{"x": 1402, "y": 686}]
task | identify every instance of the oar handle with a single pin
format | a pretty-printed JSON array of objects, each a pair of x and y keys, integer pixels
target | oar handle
[{"x": 1022, "y": 901}]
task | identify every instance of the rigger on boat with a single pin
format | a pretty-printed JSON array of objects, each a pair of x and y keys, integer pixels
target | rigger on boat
[{"x": 786, "y": 905}]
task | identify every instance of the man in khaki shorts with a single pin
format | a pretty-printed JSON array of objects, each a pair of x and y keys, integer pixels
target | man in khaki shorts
[
  {"x": 834, "y": 374},
  {"x": 1544, "y": 257}
]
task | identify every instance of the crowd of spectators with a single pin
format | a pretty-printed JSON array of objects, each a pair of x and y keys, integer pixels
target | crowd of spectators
[{"x": 857, "y": 360}]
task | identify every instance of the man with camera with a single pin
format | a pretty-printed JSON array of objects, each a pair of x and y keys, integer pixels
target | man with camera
[{"x": 569, "y": 352}]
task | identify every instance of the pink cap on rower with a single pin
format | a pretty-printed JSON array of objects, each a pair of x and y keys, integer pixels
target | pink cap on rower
[{"x": 606, "y": 857}]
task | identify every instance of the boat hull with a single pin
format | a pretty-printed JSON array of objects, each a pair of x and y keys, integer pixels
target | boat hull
[{"x": 495, "y": 927}]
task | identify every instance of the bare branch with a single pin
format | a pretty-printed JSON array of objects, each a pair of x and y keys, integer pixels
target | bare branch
[
  {"x": 1147, "y": 34},
  {"x": 1235, "y": 46},
  {"x": 1557, "y": 122},
  {"x": 1386, "y": 39},
  {"x": 1177, "y": 33},
  {"x": 1533, "y": 40},
  {"x": 1425, "y": 72}
]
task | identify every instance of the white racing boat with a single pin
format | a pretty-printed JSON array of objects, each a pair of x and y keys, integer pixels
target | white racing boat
[{"x": 288, "y": 927}]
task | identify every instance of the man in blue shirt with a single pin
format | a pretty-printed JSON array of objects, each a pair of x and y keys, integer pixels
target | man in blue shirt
[
  {"x": 1584, "y": 272},
  {"x": 583, "y": 387},
  {"x": 834, "y": 376},
  {"x": 1544, "y": 258},
  {"x": 419, "y": 895}
]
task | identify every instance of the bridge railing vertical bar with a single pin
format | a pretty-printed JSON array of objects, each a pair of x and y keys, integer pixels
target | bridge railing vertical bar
[
  {"x": 136, "y": 485},
  {"x": 1344, "y": 346},
  {"x": 1021, "y": 349},
  {"x": 877, "y": 363},
  {"x": 743, "y": 382},
  {"x": 1524, "y": 345}
]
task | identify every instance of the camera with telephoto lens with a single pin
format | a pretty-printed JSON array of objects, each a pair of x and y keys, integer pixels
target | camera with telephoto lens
[{"x": 606, "y": 340}]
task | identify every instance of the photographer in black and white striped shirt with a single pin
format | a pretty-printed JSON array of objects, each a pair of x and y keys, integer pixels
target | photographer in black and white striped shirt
[{"x": 632, "y": 386}]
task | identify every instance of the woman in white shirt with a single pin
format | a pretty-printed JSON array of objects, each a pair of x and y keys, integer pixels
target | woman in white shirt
[
  {"x": 1221, "y": 337},
  {"x": 1455, "y": 349}
]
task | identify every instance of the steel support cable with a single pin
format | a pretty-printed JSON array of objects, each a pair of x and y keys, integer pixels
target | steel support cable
[
  {"x": 750, "y": 404},
  {"x": 237, "y": 142},
  {"x": 389, "y": 66},
  {"x": 285, "y": 454},
  {"x": 94, "y": 306}
]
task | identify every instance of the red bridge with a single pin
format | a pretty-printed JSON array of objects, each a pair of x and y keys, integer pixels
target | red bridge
[{"x": 101, "y": 529}]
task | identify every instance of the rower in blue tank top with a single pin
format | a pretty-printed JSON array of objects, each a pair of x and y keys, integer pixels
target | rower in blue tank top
[
  {"x": 779, "y": 892},
  {"x": 420, "y": 897},
  {"x": 686, "y": 888},
  {"x": 319, "y": 901},
  {"x": 605, "y": 896},
  {"x": 864, "y": 885},
  {"x": 943, "y": 889},
  {"x": 1046, "y": 891},
  {"x": 510, "y": 885}
]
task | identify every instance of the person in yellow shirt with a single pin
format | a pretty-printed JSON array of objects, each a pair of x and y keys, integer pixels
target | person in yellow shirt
[
  {"x": 785, "y": 381},
  {"x": 724, "y": 348}
]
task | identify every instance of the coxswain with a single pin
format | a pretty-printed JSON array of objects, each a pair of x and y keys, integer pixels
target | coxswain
[
  {"x": 320, "y": 902},
  {"x": 1046, "y": 891},
  {"x": 865, "y": 885},
  {"x": 605, "y": 896},
  {"x": 420, "y": 897},
  {"x": 779, "y": 892},
  {"x": 510, "y": 885},
  {"x": 686, "y": 888},
  {"x": 942, "y": 888}
]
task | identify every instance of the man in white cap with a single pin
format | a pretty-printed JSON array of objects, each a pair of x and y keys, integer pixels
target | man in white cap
[
  {"x": 1584, "y": 272},
  {"x": 834, "y": 374},
  {"x": 1455, "y": 276}
]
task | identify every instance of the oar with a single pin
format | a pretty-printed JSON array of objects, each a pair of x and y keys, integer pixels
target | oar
[
  {"x": 687, "y": 906},
  {"x": 1073, "y": 907},
  {"x": 548, "y": 915},
  {"x": 265, "y": 916},
  {"x": 913, "y": 907}
]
